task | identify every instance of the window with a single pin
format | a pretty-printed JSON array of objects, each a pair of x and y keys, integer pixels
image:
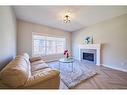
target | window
[{"x": 45, "y": 45}]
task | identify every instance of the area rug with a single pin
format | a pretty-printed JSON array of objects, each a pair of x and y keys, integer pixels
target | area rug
[{"x": 79, "y": 74}]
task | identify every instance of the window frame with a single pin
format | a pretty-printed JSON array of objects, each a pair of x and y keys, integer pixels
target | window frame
[{"x": 44, "y": 35}]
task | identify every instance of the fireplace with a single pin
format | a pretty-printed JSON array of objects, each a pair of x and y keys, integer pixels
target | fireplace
[
  {"x": 88, "y": 56},
  {"x": 89, "y": 53}
]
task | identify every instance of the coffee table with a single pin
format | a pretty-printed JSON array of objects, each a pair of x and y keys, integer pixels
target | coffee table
[{"x": 69, "y": 60}]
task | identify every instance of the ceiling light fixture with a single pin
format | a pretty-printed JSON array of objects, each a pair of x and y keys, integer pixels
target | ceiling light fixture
[{"x": 66, "y": 19}]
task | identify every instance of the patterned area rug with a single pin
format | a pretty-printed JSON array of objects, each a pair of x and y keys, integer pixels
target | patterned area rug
[{"x": 75, "y": 77}]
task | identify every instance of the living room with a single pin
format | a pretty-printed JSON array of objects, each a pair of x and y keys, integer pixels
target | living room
[{"x": 68, "y": 47}]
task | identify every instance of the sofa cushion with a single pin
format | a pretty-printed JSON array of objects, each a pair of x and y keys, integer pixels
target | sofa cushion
[
  {"x": 37, "y": 62},
  {"x": 35, "y": 58},
  {"x": 26, "y": 58},
  {"x": 35, "y": 67},
  {"x": 26, "y": 55},
  {"x": 41, "y": 75},
  {"x": 16, "y": 73}
]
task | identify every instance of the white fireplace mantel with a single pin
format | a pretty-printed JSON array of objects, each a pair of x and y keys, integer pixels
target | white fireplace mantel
[{"x": 97, "y": 47}]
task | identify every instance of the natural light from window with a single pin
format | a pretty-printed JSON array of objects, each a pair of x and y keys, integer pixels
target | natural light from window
[{"x": 46, "y": 45}]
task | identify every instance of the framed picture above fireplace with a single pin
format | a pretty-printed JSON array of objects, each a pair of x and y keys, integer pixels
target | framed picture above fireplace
[{"x": 89, "y": 40}]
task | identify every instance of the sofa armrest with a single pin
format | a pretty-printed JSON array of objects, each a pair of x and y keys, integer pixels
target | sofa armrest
[
  {"x": 44, "y": 80},
  {"x": 36, "y": 58}
]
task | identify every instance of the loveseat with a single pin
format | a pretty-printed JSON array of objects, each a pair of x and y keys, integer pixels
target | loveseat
[{"x": 25, "y": 72}]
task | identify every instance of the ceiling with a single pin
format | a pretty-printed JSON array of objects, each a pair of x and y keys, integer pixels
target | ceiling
[{"x": 81, "y": 16}]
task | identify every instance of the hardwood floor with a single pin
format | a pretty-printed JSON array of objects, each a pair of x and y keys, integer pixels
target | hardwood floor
[{"x": 105, "y": 79}]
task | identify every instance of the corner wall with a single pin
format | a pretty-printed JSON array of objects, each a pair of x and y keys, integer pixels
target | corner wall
[
  {"x": 112, "y": 34},
  {"x": 7, "y": 35}
]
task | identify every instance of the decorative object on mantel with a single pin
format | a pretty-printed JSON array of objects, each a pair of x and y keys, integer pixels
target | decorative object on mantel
[
  {"x": 66, "y": 53},
  {"x": 89, "y": 40}
]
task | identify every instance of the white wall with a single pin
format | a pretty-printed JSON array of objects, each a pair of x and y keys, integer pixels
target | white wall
[
  {"x": 7, "y": 35},
  {"x": 112, "y": 34},
  {"x": 25, "y": 30}
]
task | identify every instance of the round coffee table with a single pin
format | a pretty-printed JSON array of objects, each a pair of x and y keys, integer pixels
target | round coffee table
[{"x": 69, "y": 60}]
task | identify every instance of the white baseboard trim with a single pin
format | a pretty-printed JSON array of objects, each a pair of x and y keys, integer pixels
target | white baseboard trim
[{"x": 119, "y": 69}]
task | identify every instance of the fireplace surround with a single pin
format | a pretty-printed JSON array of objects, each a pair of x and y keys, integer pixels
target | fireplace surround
[{"x": 90, "y": 49}]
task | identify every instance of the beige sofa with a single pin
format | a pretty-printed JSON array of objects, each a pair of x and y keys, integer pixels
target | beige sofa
[{"x": 25, "y": 72}]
